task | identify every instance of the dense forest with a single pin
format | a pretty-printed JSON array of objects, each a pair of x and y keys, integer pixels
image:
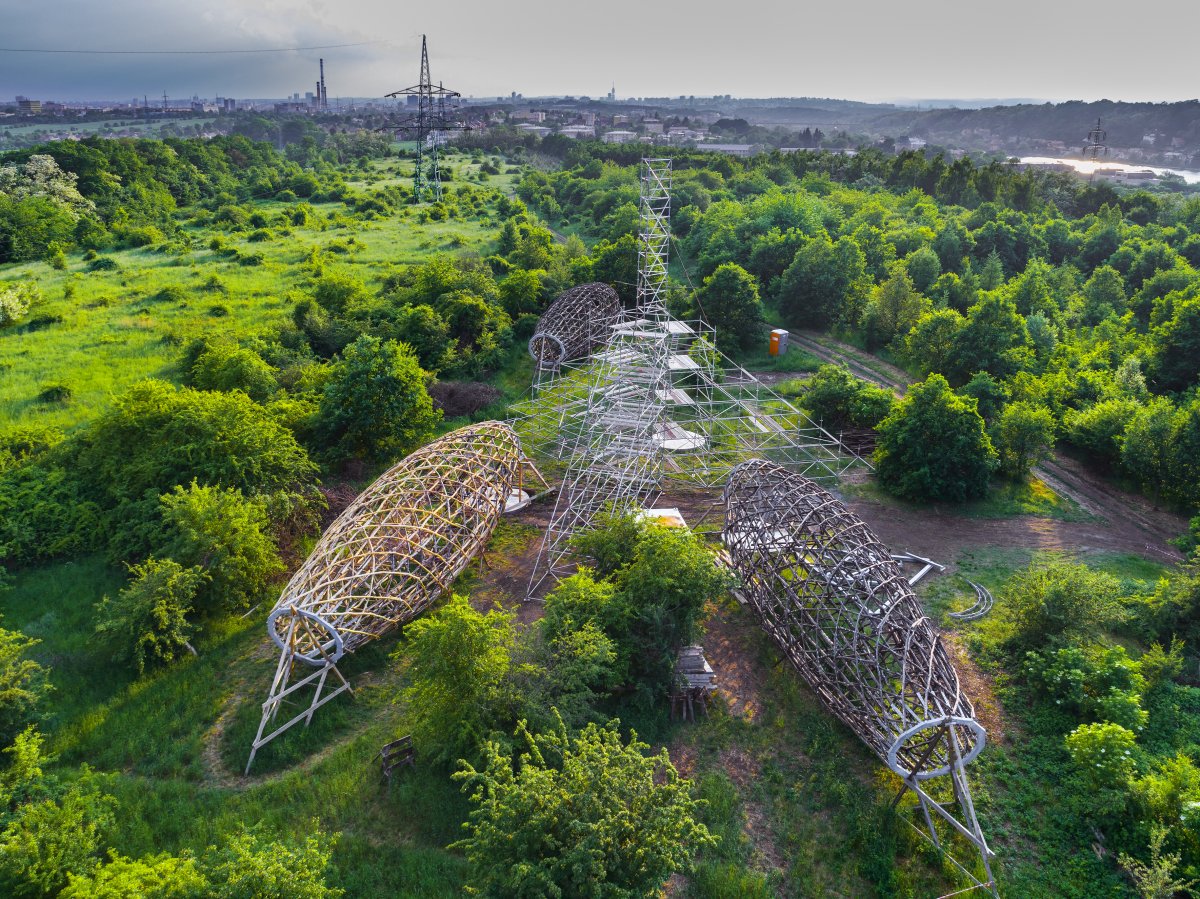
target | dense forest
[{"x": 207, "y": 347}]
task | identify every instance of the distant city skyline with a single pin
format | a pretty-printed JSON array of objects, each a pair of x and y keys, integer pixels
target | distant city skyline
[{"x": 869, "y": 51}]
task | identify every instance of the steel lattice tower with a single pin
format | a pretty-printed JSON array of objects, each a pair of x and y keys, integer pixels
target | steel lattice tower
[
  {"x": 616, "y": 463},
  {"x": 1096, "y": 145},
  {"x": 650, "y": 401},
  {"x": 435, "y": 115}
]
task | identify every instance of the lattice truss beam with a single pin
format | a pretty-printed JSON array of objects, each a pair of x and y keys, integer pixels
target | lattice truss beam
[
  {"x": 841, "y": 610},
  {"x": 392, "y": 553}
]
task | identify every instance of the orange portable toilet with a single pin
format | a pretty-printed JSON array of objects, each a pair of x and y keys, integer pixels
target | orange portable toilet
[{"x": 778, "y": 343}]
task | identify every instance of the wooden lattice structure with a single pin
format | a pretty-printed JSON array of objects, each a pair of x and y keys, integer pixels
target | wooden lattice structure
[
  {"x": 841, "y": 610},
  {"x": 392, "y": 553},
  {"x": 578, "y": 320}
]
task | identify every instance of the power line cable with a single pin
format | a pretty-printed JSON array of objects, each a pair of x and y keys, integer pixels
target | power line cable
[{"x": 185, "y": 52}]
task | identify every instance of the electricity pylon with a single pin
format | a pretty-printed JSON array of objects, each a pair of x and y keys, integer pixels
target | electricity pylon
[{"x": 435, "y": 114}]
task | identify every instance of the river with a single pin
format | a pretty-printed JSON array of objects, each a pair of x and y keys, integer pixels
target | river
[{"x": 1087, "y": 166}]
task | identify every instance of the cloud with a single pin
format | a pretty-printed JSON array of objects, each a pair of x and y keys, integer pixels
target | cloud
[{"x": 867, "y": 50}]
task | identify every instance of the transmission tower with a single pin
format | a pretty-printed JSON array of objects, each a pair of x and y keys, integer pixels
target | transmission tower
[
  {"x": 435, "y": 115},
  {"x": 1096, "y": 142}
]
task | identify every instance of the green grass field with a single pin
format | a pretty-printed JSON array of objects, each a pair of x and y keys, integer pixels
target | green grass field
[{"x": 99, "y": 332}]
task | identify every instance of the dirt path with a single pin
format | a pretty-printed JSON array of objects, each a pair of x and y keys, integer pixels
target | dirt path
[{"x": 1127, "y": 522}]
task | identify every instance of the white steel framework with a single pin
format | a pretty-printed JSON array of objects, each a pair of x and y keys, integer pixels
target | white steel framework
[{"x": 657, "y": 402}]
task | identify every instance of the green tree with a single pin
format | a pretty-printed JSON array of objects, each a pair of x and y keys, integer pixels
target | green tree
[
  {"x": 992, "y": 274},
  {"x": 427, "y": 333},
  {"x": 375, "y": 404},
  {"x": 1175, "y": 348},
  {"x": 995, "y": 339},
  {"x": 223, "y": 535},
  {"x": 1148, "y": 444},
  {"x": 1103, "y": 295},
  {"x": 894, "y": 309},
  {"x": 1156, "y": 879},
  {"x": 989, "y": 394},
  {"x": 458, "y": 663},
  {"x": 730, "y": 303},
  {"x": 23, "y": 683},
  {"x": 147, "y": 623},
  {"x": 923, "y": 268},
  {"x": 663, "y": 579},
  {"x": 1023, "y": 436},
  {"x": 826, "y": 284},
  {"x": 929, "y": 345},
  {"x": 1099, "y": 429},
  {"x": 933, "y": 447},
  {"x": 587, "y": 816},
  {"x": 521, "y": 292}
]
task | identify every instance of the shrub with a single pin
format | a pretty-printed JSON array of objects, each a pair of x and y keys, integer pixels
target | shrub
[
  {"x": 252, "y": 866},
  {"x": 25, "y": 442},
  {"x": 1103, "y": 754},
  {"x": 156, "y": 438},
  {"x": 23, "y": 683},
  {"x": 226, "y": 367},
  {"x": 172, "y": 293},
  {"x": 1056, "y": 601},
  {"x": 839, "y": 400},
  {"x": 588, "y": 816},
  {"x": 142, "y": 236},
  {"x": 46, "y": 841},
  {"x": 146, "y": 625},
  {"x": 15, "y": 299},
  {"x": 155, "y": 877},
  {"x": 103, "y": 264},
  {"x": 56, "y": 393},
  {"x": 224, "y": 535}
]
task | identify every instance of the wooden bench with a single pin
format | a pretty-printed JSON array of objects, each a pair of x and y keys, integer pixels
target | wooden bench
[{"x": 395, "y": 755}]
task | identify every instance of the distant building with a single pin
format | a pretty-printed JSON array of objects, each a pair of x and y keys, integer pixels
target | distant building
[
  {"x": 528, "y": 115},
  {"x": 731, "y": 149},
  {"x": 577, "y": 131},
  {"x": 619, "y": 137},
  {"x": 652, "y": 126},
  {"x": 539, "y": 130},
  {"x": 32, "y": 107}
]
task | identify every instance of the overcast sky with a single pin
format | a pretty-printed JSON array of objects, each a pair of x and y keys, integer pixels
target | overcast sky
[{"x": 869, "y": 50}]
